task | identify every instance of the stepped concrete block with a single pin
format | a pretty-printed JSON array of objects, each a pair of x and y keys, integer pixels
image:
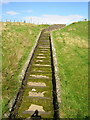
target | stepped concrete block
[
  {"x": 36, "y": 84},
  {"x": 40, "y": 54},
  {"x": 42, "y": 50},
  {"x": 42, "y": 65},
  {"x": 40, "y": 113},
  {"x": 40, "y": 71},
  {"x": 40, "y": 57},
  {"x": 37, "y": 94},
  {"x": 39, "y": 76},
  {"x": 34, "y": 107},
  {"x": 39, "y": 60},
  {"x": 44, "y": 47}
]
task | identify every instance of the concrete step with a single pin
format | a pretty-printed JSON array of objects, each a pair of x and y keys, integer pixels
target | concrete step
[{"x": 40, "y": 112}]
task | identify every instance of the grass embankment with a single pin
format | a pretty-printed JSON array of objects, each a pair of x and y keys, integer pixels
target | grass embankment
[
  {"x": 18, "y": 40},
  {"x": 71, "y": 45}
]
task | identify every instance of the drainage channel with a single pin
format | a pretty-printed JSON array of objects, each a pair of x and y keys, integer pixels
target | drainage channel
[{"x": 37, "y": 95}]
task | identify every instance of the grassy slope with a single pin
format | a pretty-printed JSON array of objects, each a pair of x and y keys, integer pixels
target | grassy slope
[
  {"x": 71, "y": 45},
  {"x": 18, "y": 40}
]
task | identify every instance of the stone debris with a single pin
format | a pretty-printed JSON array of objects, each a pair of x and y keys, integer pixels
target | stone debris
[
  {"x": 36, "y": 84},
  {"x": 39, "y": 76},
  {"x": 33, "y": 89},
  {"x": 33, "y": 107},
  {"x": 37, "y": 94}
]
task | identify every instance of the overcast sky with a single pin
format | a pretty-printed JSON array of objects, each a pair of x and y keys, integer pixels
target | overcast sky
[{"x": 45, "y": 12}]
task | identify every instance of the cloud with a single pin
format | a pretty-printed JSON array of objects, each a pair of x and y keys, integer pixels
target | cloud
[
  {"x": 4, "y": 1},
  {"x": 29, "y": 11},
  {"x": 0, "y": 18},
  {"x": 53, "y": 19},
  {"x": 12, "y": 13}
]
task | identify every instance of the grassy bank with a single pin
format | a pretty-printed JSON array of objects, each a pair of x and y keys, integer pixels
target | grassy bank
[
  {"x": 18, "y": 40},
  {"x": 71, "y": 45}
]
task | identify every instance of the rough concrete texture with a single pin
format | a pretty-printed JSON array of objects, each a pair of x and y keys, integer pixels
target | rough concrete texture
[
  {"x": 39, "y": 94},
  {"x": 34, "y": 107},
  {"x": 56, "y": 74},
  {"x": 39, "y": 76},
  {"x": 40, "y": 84}
]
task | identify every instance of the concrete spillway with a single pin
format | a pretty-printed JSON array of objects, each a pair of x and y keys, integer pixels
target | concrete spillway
[{"x": 38, "y": 90}]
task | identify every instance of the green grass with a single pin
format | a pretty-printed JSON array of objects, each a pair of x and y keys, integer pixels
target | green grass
[
  {"x": 71, "y": 45},
  {"x": 18, "y": 40}
]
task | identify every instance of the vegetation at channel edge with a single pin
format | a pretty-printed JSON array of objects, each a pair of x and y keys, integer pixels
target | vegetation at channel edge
[{"x": 71, "y": 45}]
